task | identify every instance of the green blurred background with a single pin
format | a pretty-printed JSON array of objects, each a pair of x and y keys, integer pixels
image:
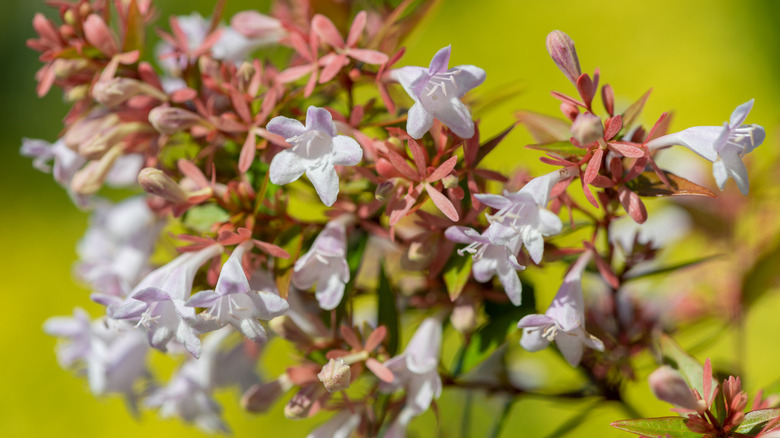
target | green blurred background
[{"x": 702, "y": 59}]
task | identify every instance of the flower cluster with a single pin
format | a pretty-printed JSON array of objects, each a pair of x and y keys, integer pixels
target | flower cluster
[{"x": 214, "y": 141}]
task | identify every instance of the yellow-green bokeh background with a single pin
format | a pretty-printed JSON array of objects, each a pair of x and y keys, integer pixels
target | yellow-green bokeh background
[{"x": 702, "y": 58}]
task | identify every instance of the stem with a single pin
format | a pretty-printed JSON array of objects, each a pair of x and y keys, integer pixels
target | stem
[
  {"x": 465, "y": 424},
  {"x": 502, "y": 419}
]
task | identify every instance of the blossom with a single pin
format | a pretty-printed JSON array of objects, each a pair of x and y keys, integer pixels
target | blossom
[
  {"x": 158, "y": 301},
  {"x": 491, "y": 260},
  {"x": 316, "y": 149},
  {"x": 564, "y": 320},
  {"x": 234, "y": 301},
  {"x": 522, "y": 215},
  {"x": 340, "y": 425},
  {"x": 114, "y": 252},
  {"x": 326, "y": 265},
  {"x": 416, "y": 370},
  {"x": 436, "y": 92},
  {"x": 113, "y": 356},
  {"x": 723, "y": 145}
]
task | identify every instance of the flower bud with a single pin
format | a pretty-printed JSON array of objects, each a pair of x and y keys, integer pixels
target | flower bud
[
  {"x": 561, "y": 49},
  {"x": 669, "y": 386},
  {"x": 99, "y": 35},
  {"x": 76, "y": 93},
  {"x": 464, "y": 317},
  {"x": 115, "y": 91},
  {"x": 384, "y": 190},
  {"x": 335, "y": 375},
  {"x": 253, "y": 24},
  {"x": 90, "y": 178},
  {"x": 244, "y": 75},
  {"x": 587, "y": 128},
  {"x": 262, "y": 396},
  {"x": 285, "y": 327},
  {"x": 450, "y": 181},
  {"x": 156, "y": 182},
  {"x": 302, "y": 402},
  {"x": 169, "y": 120},
  {"x": 65, "y": 68}
]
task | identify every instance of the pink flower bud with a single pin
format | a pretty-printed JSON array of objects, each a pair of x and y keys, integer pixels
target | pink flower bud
[
  {"x": 561, "y": 49},
  {"x": 156, "y": 182},
  {"x": 115, "y": 91},
  {"x": 587, "y": 128},
  {"x": 335, "y": 375},
  {"x": 384, "y": 190},
  {"x": 669, "y": 386},
  {"x": 301, "y": 404},
  {"x": 169, "y": 120},
  {"x": 90, "y": 178},
  {"x": 261, "y": 397}
]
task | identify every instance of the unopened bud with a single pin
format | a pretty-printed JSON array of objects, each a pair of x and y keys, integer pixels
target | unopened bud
[
  {"x": 301, "y": 403},
  {"x": 669, "y": 386},
  {"x": 262, "y": 396},
  {"x": 169, "y": 120},
  {"x": 450, "y": 181},
  {"x": 285, "y": 327},
  {"x": 77, "y": 93},
  {"x": 156, "y": 182},
  {"x": 464, "y": 317},
  {"x": 561, "y": 49},
  {"x": 90, "y": 178},
  {"x": 99, "y": 143},
  {"x": 335, "y": 375},
  {"x": 115, "y": 91},
  {"x": 587, "y": 128},
  {"x": 65, "y": 68},
  {"x": 384, "y": 190},
  {"x": 245, "y": 74}
]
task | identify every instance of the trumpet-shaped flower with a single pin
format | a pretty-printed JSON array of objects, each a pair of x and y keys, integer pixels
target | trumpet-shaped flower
[
  {"x": 564, "y": 320},
  {"x": 415, "y": 370},
  {"x": 158, "y": 302},
  {"x": 521, "y": 215},
  {"x": 316, "y": 149},
  {"x": 340, "y": 425},
  {"x": 723, "y": 145},
  {"x": 491, "y": 260},
  {"x": 326, "y": 265},
  {"x": 436, "y": 92},
  {"x": 234, "y": 302}
]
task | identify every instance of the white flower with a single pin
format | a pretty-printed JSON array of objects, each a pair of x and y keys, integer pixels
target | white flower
[
  {"x": 340, "y": 425},
  {"x": 416, "y": 371},
  {"x": 316, "y": 149},
  {"x": 723, "y": 145},
  {"x": 234, "y": 301},
  {"x": 564, "y": 320},
  {"x": 436, "y": 92},
  {"x": 326, "y": 265}
]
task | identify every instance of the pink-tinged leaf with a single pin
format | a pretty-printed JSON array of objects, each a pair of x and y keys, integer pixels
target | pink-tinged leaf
[
  {"x": 335, "y": 354},
  {"x": 368, "y": 56},
  {"x": 375, "y": 338},
  {"x": 358, "y": 24},
  {"x": 333, "y": 64},
  {"x": 442, "y": 202},
  {"x": 471, "y": 147},
  {"x": 184, "y": 95},
  {"x": 402, "y": 166},
  {"x": 491, "y": 144},
  {"x": 271, "y": 249},
  {"x": 567, "y": 99},
  {"x": 660, "y": 128},
  {"x": 602, "y": 181},
  {"x": 99, "y": 35},
  {"x": 626, "y": 149},
  {"x": 45, "y": 28},
  {"x": 350, "y": 337},
  {"x": 385, "y": 169},
  {"x": 589, "y": 195},
  {"x": 248, "y": 151},
  {"x": 616, "y": 168},
  {"x": 544, "y": 128},
  {"x": 241, "y": 106},
  {"x": 603, "y": 267},
  {"x": 293, "y": 73},
  {"x": 756, "y": 420},
  {"x": 443, "y": 170},
  {"x": 562, "y": 148},
  {"x": 633, "y": 205},
  {"x": 193, "y": 172},
  {"x": 586, "y": 88},
  {"x": 490, "y": 174},
  {"x": 382, "y": 372},
  {"x": 630, "y": 114},
  {"x": 649, "y": 184},
  {"x": 46, "y": 79},
  {"x": 327, "y": 31},
  {"x": 309, "y": 88},
  {"x": 608, "y": 97},
  {"x": 300, "y": 45},
  {"x": 301, "y": 375},
  {"x": 419, "y": 156},
  {"x": 356, "y": 116},
  {"x": 594, "y": 165},
  {"x": 638, "y": 167},
  {"x": 402, "y": 207},
  {"x": 613, "y": 126}
]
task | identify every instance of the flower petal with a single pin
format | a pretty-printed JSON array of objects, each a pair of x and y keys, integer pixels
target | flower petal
[
  {"x": 285, "y": 126},
  {"x": 419, "y": 121},
  {"x": 467, "y": 78},
  {"x": 512, "y": 285},
  {"x": 532, "y": 340},
  {"x": 452, "y": 112},
  {"x": 286, "y": 167},
  {"x": 329, "y": 292},
  {"x": 346, "y": 151},
  {"x": 440, "y": 60},
  {"x": 571, "y": 347},
  {"x": 325, "y": 182},
  {"x": 321, "y": 120},
  {"x": 549, "y": 222},
  {"x": 731, "y": 165},
  {"x": 740, "y": 114}
]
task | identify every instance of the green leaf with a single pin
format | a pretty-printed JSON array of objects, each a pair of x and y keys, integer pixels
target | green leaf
[
  {"x": 544, "y": 128},
  {"x": 562, "y": 148},
  {"x": 632, "y": 112},
  {"x": 691, "y": 370},
  {"x": 135, "y": 28},
  {"x": 756, "y": 420},
  {"x": 202, "y": 217},
  {"x": 657, "y": 427},
  {"x": 671, "y": 268},
  {"x": 650, "y": 185},
  {"x": 456, "y": 275},
  {"x": 762, "y": 276},
  {"x": 387, "y": 312}
]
